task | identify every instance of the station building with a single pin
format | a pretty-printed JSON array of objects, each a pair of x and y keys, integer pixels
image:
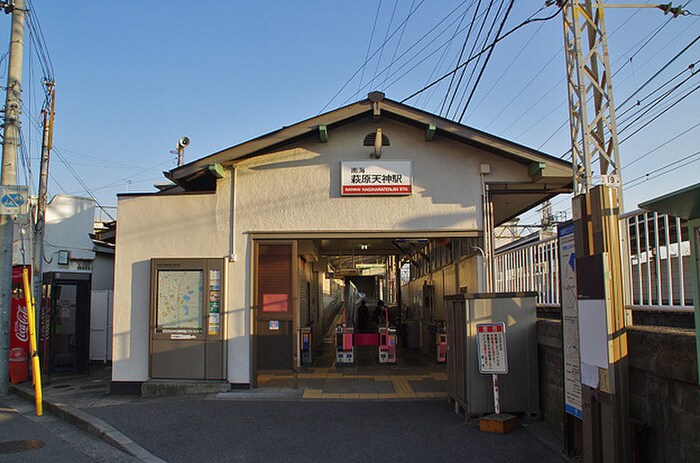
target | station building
[{"x": 217, "y": 273}]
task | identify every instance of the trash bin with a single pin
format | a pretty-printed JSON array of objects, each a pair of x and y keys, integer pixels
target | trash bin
[{"x": 19, "y": 365}]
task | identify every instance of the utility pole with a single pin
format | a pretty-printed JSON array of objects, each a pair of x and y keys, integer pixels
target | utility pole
[
  {"x": 9, "y": 178},
  {"x": 597, "y": 203},
  {"x": 46, "y": 145}
]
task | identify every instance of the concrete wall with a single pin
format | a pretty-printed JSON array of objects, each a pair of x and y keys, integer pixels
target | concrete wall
[{"x": 664, "y": 392}]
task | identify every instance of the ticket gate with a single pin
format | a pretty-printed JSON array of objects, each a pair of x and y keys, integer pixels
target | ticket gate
[
  {"x": 345, "y": 350},
  {"x": 441, "y": 347},
  {"x": 305, "y": 345},
  {"x": 387, "y": 345}
]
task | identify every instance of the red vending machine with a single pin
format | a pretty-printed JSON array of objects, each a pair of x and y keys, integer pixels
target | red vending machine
[{"x": 19, "y": 330}]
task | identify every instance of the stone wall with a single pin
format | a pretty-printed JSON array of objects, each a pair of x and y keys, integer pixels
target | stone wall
[{"x": 664, "y": 392}]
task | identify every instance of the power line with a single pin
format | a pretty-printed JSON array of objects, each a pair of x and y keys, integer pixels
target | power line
[
  {"x": 415, "y": 55},
  {"x": 459, "y": 58},
  {"x": 369, "y": 47},
  {"x": 471, "y": 52},
  {"x": 460, "y": 66},
  {"x": 634, "y": 161},
  {"x": 486, "y": 62},
  {"x": 381, "y": 53},
  {"x": 398, "y": 44},
  {"x": 372, "y": 56}
]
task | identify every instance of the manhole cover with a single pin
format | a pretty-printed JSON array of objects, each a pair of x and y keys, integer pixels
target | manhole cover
[{"x": 16, "y": 446}]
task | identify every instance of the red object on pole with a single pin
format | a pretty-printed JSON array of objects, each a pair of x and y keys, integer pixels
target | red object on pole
[{"x": 19, "y": 331}]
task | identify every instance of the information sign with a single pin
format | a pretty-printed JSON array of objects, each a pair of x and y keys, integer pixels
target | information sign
[
  {"x": 491, "y": 346},
  {"x": 14, "y": 199},
  {"x": 570, "y": 321}
]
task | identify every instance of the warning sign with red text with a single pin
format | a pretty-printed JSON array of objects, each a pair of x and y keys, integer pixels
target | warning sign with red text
[{"x": 491, "y": 346}]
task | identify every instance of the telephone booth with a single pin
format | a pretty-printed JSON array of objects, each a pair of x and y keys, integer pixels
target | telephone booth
[{"x": 64, "y": 325}]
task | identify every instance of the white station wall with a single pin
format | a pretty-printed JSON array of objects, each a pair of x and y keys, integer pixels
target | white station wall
[{"x": 155, "y": 226}]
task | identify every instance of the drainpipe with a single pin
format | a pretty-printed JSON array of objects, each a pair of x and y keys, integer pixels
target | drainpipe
[{"x": 232, "y": 257}]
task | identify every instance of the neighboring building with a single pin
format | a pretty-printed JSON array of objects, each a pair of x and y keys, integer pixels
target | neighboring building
[
  {"x": 78, "y": 278},
  {"x": 215, "y": 275}
]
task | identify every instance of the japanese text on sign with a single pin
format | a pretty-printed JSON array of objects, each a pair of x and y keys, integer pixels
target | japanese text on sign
[
  {"x": 491, "y": 348},
  {"x": 379, "y": 178}
]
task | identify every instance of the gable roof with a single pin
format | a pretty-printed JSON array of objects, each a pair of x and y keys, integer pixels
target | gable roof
[
  {"x": 387, "y": 108},
  {"x": 549, "y": 175}
]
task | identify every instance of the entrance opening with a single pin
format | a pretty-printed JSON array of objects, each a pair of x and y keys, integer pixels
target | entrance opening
[{"x": 366, "y": 314}]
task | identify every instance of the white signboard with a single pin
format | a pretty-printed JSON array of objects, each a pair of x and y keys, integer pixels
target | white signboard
[
  {"x": 14, "y": 199},
  {"x": 569, "y": 310},
  {"x": 491, "y": 346},
  {"x": 376, "y": 178}
]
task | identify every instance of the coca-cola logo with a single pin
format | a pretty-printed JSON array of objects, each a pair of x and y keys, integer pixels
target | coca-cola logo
[{"x": 22, "y": 324}]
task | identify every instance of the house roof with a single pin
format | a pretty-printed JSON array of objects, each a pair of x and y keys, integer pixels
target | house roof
[
  {"x": 684, "y": 203},
  {"x": 549, "y": 175}
]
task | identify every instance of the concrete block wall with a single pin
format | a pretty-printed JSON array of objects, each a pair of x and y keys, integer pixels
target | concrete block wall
[{"x": 664, "y": 391}]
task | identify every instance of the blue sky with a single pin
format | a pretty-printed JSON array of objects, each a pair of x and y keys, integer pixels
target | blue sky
[{"x": 132, "y": 77}]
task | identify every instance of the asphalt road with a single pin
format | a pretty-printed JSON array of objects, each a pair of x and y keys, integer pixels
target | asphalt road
[{"x": 196, "y": 428}]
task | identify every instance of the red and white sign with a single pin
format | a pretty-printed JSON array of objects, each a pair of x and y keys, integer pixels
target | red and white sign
[
  {"x": 376, "y": 178},
  {"x": 491, "y": 346}
]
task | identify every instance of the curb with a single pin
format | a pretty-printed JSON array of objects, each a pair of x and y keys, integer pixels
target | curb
[{"x": 91, "y": 425}]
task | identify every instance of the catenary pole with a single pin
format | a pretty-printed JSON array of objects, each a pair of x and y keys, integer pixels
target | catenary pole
[{"x": 9, "y": 177}]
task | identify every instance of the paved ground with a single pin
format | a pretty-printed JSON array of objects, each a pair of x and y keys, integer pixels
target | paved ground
[
  {"x": 192, "y": 428},
  {"x": 26, "y": 438},
  {"x": 269, "y": 423}
]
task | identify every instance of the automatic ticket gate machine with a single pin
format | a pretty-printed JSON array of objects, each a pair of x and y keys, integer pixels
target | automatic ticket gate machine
[
  {"x": 345, "y": 350},
  {"x": 305, "y": 345},
  {"x": 387, "y": 344}
]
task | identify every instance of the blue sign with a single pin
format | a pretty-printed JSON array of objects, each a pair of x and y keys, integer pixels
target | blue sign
[{"x": 13, "y": 199}]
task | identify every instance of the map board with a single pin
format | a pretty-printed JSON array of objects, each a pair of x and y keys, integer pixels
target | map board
[{"x": 179, "y": 300}]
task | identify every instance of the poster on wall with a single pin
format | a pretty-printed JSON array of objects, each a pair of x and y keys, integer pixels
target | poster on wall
[
  {"x": 214, "y": 302},
  {"x": 376, "y": 178},
  {"x": 570, "y": 321}
]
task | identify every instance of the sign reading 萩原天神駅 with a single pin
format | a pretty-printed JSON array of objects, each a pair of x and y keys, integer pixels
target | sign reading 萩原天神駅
[{"x": 376, "y": 178}]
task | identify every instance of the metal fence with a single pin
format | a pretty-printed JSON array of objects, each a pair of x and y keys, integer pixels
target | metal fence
[
  {"x": 659, "y": 261},
  {"x": 533, "y": 267},
  {"x": 658, "y": 264}
]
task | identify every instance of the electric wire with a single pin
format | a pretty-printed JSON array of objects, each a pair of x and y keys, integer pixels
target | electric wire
[
  {"x": 369, "y": 48},
  {"x": 486, "y": 61},
  {"x": 381, "y": 53},
  {"x": 459, "y": 66},
  {"x": 459, "y": 58},
  {"x": 418, "y": 53},
  {"x": 441, "y": 61},
  {"x": 485, "y": 16},
  {"x": 370, "y": 58},
  {"x": 398, "y": 44}
]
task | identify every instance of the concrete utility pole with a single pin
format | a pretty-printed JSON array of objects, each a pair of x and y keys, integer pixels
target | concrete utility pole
[
  {"x": 9, "y": 177},
  {"x": 46, "y": 144}
]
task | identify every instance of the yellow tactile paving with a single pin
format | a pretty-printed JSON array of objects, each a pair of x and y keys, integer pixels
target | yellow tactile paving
[
  {"x": 330, "y": 396},
  {"x": 313, "y": 394},
  {"x": 401, "y": 385},
  {"x": 439, "y": 376}
]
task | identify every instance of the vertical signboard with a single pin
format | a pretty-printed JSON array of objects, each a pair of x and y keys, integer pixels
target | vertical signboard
[
  {"x": 491, "y": 346},
  {"x": 569, "y": 311}
]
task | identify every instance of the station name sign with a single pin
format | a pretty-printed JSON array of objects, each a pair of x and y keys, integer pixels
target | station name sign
[{"x": 376, "y": 178}]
